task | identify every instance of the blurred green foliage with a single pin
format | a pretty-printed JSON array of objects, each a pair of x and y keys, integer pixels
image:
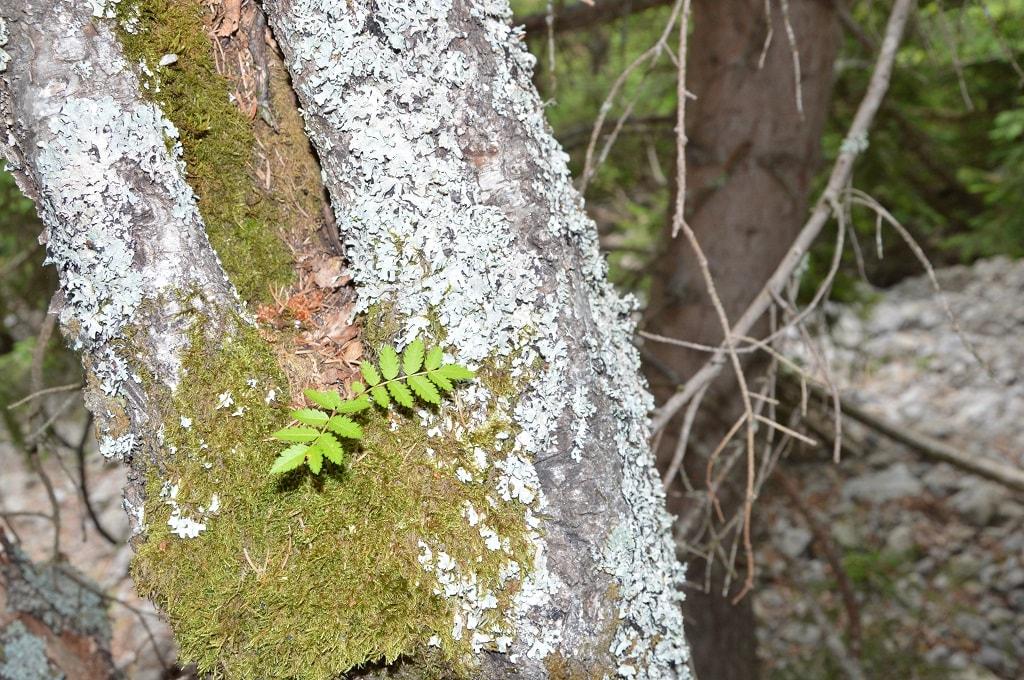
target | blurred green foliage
[{"x": 25, "y": 291}]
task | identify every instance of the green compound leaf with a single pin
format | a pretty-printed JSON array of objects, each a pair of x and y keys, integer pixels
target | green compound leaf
[
  {"x": 433, "y": 360},
  {"x": 330, "y": 448},
  {"x": 441, "y": 381},
  {"x": 388, "y": 362},
  {"x": 327, "y": 400},
  {"x": 345, "y": 427},
  {"x": 289, "y": 459},
  {"x": 360, "y": 403},
  {"x": 424, "y": 389},
  {"x": 412, "y": 358},
  {"x": 315, "y": 459},
  {"x": 456, "y": 372},
  {"x": 310, "y": 416},
  {"x": 401, "y": 394},
  {"x": 369, "y": 372},
  {"x": 380, "y": 395},
  {"x": 296, "y": 434},
  {"x": 425, "y": 379}
]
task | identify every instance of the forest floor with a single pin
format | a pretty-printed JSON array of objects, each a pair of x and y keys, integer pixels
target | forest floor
[{"x": 934, "y": 556}]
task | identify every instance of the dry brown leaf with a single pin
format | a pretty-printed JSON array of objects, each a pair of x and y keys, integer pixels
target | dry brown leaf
[
  {"x": 230, "y": 19},
  {"x": 329, "y": 272},
  {"x": 352, "y": 352}
]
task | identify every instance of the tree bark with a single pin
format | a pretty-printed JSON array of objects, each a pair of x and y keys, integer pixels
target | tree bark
[
  {"x": 457, "y": 211},
  {"x": 750, "y": 160}
]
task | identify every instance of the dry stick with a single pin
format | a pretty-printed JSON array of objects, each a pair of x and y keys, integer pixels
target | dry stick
[
  {"x": 861, "y": 198},
  {"x": 549, "y": 25},
  {"x": 823, "y": 368},
  {"x": 83, "y": 483},
  {"x": 933, "y": 448},
  {"x": 45, "y": 391},
  {"x": 797, "y": 76},
  {"x": 684, "y": 438},
  {"x": 954, "y": 54},
  {"x": 768, "y": 36},
  {"x": 824, "y": 541},
  {"x": 679, "y": 224},
  {"x": 841, "y": 173},
  {"x": 16, "y": 261},
  {"x": 681, "y": 138}
]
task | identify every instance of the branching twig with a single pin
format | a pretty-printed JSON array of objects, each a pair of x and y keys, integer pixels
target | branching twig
[{"x": 839, "y": 178}]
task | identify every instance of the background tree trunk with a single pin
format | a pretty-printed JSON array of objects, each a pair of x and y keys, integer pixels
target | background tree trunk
[
  {"x": 750, "y": 160},
  {"x": 461, "y": 223}
]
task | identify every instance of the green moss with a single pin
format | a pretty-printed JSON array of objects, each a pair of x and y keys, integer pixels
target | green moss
[
  {"x": 381, "y": 325},
  {"x": 217, "y": 139},
  {"x": 310, "y": 576}
]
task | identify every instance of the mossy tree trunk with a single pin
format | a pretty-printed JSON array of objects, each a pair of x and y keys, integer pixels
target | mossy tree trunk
[{"x": 460, "y": 223}]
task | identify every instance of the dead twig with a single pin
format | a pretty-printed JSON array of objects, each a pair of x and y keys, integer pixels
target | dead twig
[
  {"x": 681, "y": 139},
  {"x": 931, "y": 448},
  {"x": 825, "y": 544}
]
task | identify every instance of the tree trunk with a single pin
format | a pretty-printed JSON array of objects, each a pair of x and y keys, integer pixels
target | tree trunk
[
  {"x": 750, "y": 160},
  {"x": 461, "y": 225}
]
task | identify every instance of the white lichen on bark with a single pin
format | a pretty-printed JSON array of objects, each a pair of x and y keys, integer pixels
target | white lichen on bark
[{"x": 456, "y": 205}]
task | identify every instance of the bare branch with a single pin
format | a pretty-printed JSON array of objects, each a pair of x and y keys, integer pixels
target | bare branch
[{"x": 932, "y": 448}]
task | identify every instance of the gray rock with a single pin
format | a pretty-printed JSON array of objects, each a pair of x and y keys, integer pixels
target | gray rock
[
  {"x": 977, "y": 501},
  {"x": 890, "y": 484},
  {"x": 940, "y": 479},
  {"x": 1011, "y": 580},
  {"x": 972, "y": 672},
  {"x": 1010, "y": 509},
  {"x": 846, "y": 534},
  {"x": 959, "y": 661},
  {"x": 793, "y": 541},
  {"x": 971, "y": 625},
  {"x": 990, "y": 657},
  {"x": 963, "y": 566},
  {"x": 901, "y": 539}
]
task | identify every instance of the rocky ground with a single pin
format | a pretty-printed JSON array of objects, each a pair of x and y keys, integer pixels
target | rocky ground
[{"x": 935, "y": 555}]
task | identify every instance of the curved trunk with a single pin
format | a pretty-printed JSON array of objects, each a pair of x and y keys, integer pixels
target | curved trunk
[{"x": 455, "y": 205}]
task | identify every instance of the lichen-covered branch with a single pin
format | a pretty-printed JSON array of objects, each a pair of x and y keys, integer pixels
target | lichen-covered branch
[
  {"x": 122, "y": 227},
  {"x": 460, "y": 220}
]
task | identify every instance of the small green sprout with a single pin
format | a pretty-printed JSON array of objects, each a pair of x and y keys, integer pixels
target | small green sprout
[{"x": 319, "y": 432}]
